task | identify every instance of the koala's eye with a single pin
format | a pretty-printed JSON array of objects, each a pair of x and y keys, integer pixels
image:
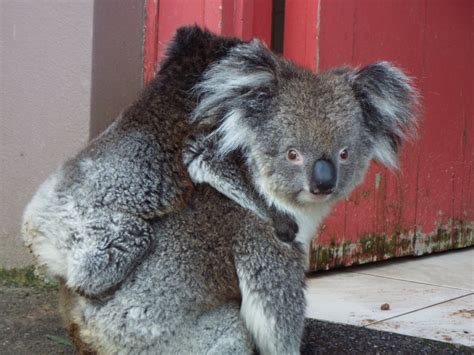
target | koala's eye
[
  {"x": 343, "y": 154},
  {"x": 293, "y": 155}
]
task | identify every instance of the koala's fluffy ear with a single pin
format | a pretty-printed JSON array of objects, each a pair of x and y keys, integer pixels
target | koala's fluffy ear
[
  {"x": 234, "y": 92},
  {"x": 388, "y": 104},
  {"x": 186, "y": 42}
]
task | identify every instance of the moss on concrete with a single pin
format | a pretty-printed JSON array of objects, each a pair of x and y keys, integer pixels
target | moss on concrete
[{"x": 24, "y": 277}]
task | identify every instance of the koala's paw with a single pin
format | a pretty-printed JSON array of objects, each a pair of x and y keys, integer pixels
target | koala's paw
[
  {"x": 197, "y": 155},
  {"x": 94, "y": 293},
  {"x": 193, "y": 150},
  {"x": 284, "y": 225},
  {"x": 91, "y": 276}
]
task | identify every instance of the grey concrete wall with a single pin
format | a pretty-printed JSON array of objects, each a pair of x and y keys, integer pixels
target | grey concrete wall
[
  {"x": 47, "y": 81},
  {"x": 117, "y": 59}
]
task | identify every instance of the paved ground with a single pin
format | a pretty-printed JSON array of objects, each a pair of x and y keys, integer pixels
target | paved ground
[
  {"x": 429, "y": 296},
  {"x": 30, "y": 324}
]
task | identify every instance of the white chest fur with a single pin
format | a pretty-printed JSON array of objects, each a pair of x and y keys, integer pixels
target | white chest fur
[{"x": 308, "y": 221}]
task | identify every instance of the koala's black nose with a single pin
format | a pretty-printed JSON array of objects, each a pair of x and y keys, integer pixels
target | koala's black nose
[{"x": 324, "y": 177}]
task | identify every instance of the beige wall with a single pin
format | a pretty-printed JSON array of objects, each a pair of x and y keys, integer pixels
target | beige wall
[
  {"x": 117, "y": 59},
  {"x": 46, "y": 81}
]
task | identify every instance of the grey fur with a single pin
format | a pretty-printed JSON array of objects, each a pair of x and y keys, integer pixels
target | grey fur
[{"x": 210, "y": 275}]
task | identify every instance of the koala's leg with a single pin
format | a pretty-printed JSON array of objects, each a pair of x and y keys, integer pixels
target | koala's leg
[
  {"x": 219, "y": 331},
  {"x": 230, "y": 177},
  {"x": 271, "y": 281},
  {"x": 109, "y": 246}
]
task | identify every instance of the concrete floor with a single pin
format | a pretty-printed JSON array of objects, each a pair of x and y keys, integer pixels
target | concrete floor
[{"x": 430, "y": 297}]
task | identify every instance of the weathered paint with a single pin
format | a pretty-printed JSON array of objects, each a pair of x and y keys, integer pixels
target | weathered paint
[
  {"x": 377, "y": 247},
  {"x": 428, "y": 205}
]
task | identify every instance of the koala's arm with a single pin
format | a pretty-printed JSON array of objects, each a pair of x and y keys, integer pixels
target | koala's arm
[
  {"x": 113, "y": 244},
  {"x": 91, "y": 248},
  {"x": 271, "y": 282},
  {"x": 230, "y": 177}
]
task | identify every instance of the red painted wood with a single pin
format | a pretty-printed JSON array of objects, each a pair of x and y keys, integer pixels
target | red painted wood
[
  {"x": 242, "y": 18},
  {"x": 175, "y": 13},
  {"x": 390, "y": 207},
  {"x": 262, "y": 21},
  {"x": 301, "y": 32},
  {"x": 445, "y": 152},
  {"x": 432, "y": 41},
  {"x": 150, "y": 45}
]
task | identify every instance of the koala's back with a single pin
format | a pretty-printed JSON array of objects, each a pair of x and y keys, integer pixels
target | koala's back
[
  {"x": 127, "y": 170},
  {"x": 161, "y": 307},
  {"x": 134, "y": 168}
]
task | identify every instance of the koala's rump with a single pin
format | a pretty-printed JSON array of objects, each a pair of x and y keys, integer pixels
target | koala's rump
[{"x": 190, "y": 272}]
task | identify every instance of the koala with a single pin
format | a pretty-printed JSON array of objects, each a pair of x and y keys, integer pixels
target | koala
[
  {"x": 217, "y": 279},
  {"x": 307, "y": 139},
  {"x": 92, "y": 216}
]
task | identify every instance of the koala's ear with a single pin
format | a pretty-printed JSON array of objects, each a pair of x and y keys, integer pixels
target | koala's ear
[
  {"x": 186, "y": 42},
  {"x": 234, "y": 92},
  {"x": 388, "y": 103}
]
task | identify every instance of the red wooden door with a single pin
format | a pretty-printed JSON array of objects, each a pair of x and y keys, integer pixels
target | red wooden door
[{"x": 428, "y": 205}]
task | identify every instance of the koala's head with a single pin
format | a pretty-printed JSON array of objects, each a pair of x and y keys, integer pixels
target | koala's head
[{"x": 308, "y": 138}]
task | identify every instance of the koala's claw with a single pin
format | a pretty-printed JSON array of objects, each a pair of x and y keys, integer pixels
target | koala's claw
[
  {"x": 102, "y": 295},
  {"x": 287, "y": 232},
  {"x": 190, "y": 152},
  {"x": 285, "y": 227},
  {"x": 195, "y": 148}
]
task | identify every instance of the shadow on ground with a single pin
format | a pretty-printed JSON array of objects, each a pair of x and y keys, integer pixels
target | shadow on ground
[{"x": 30, "y": 324}]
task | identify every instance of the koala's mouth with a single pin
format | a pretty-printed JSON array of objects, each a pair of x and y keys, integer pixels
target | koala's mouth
[{"x": 305, "y": 196}]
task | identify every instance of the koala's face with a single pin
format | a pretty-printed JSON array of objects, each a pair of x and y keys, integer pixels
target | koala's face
[
  {"x": 308, "y": 138},
  {"x": 312, "y": 147}
]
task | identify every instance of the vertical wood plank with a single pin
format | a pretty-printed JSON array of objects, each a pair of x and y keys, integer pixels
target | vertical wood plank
[
  {"x": 336, "y": 34},
  {"x": 243, "y": 18},
  {"x": 385, "y": 31},
  {"x": 301, "y": 32},
  {"x": 447, "y": 98},
  {"x": 175, "y": 13},
  {"x": 262, "y": 21},
  {"x": 150, "y": 41},
  {"x": 383, "y": 207}
]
